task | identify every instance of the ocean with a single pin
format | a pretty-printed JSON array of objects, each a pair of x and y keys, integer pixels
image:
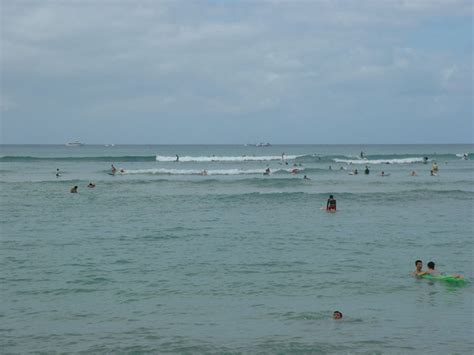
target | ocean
[{"x": 164, "y": 257}]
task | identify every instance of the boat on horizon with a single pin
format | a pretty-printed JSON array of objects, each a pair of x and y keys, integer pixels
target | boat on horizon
[{"x": 74, "y": 144}]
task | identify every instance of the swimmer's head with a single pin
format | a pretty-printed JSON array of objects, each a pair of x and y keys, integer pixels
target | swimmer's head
[
  {"x": 337, "y": 315},
  {"x": 331, "y": 196},
  {"x": 431, "y": 265},
  {"x": 419, "y": 264}
]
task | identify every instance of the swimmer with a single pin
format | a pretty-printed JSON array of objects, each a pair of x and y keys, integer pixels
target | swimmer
[
  {"x": 356, "y": 172},
  {"x": 73, "y": 190},
  {"x": 57, "y": 173},
  {"x": 114, "y": 169},
  {"x": 432, "y": 271},
  {"x": 204, "y": 172},
  {"x": 177, "y": 157},
  {"x": 337, "y": 315},
  {"x": 418, "y": 268},
  {"x": 294, "y": 171},
  {"x": 367, "y": 171},
  {"x": 432, "y": 173},
  {"x": 465, "y": 156},
  {"x": 413, "y": 173},
  {"x": 383, "y": 173},
  {"x": 330, "y": 167},
  {"x": 91, "y": 185},
  {"x": 283, "y": 156},
  {"x": 425, "y": 160},
  {"x": 122, "y": 171},
  {"x": 434, "y": 167},
  {"x": 362, "y": 155},
  {"x": 267, "y": 171},
  {"x": 331, "y": 204},
  {"x": 306, "y": 178}
]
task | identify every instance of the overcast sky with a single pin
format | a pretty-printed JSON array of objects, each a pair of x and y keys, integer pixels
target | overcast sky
[{"x": 164, "y": 72}]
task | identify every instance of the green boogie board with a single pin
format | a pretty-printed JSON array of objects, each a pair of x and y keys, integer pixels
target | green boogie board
[{"x": 446, "y": 278}]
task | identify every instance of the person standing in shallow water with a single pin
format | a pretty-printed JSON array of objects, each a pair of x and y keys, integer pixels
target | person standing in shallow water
[{"x": 331, "y": 204}]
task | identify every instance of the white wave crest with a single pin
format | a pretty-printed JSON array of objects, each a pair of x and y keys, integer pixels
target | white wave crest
[
  {"x": 381, "y": 161},
  {"x": 225, "y": 158},
  {"x": 194, "y": 172}
]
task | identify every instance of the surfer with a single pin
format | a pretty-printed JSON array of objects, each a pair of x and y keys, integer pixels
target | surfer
[
  {"x": 367, "y": 171},
  {"x": 331, "y": 204},
  {"x": 465, "y": 156},
  {"x": 73, "y": 190},
  {"x": 114, "y": 169},
  {"x": 337, "y": 315},
  {"x": 57, "y": 173},
  {"x": 177, "y": 157},
  {"x": 267, "y": 171}
]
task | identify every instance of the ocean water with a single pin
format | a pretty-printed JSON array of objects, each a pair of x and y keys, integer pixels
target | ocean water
[{"x": 160, "y": 258}]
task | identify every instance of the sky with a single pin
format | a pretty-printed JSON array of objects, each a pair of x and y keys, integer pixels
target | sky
[{"x": 235, "y": 72}]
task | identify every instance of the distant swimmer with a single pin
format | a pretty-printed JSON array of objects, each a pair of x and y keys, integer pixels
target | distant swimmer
[
  {"x": 382, "y": 173},
  {"x": 267, "y": 171},
  {"x": 57, "y": 173},
  {"x": 204, "y": 172},
  {"x": 425, "y": 160},
  {"x": 114, "y": 169},
  {"x": 465, "y": 156},
  {"x": 177, "y": 157},
  {"x": 91, "y": 185},
  {"x": 73, "y": 190},
  {"x": 294, "y": 171},
  {"x": 331, "y": 204},
  {"x": 413, "y": 173},
  {"x": 283, "y": 156},
  {"x": 418, "y": 268},
  {"x": 362, "y": 155},
  {"x": 122, "y": 171},
  {"x": 366, "y": 171},
  {"x": 330, "y": 167},
  {"x": 434, "y": 167},
  {"x": 306, "y": 178},
  {"x": 356, "y": 172},
  {"x": 337, "y": 315},
  {"x": 432, "y": 173}
]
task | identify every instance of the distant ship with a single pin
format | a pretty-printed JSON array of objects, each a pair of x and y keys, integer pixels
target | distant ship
[
  {"x": 74, "y": 144},
  {"x": 263, "y": 145}
]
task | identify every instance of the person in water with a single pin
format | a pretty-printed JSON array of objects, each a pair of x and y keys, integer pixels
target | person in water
[
  {"x": 267, "y": 171},
  {"x": 413, "y": 173},
  {"x": 177, "y": 157},
  {"x": 57, "y": 173},
  {"x": 337, "y": 315},
  {"x": 362, "y": 155},
  {"x": 425, "y": 160},
  {"x": 367, "y": 171},
  {"x": 114, "y": 169},
  {"x": 306, "y": 178},
  {"x": 434, "y": 167},
  {"x": 418, "y": 268},
  {"x": 432, "y": 271},
  {"x": 383, "y": 173},
  {"x": 356, "y": 172},
  {"x": 91, "y": 185},
  {"x": 331, "y": 204},
  {"x": 73, "y": 190}
]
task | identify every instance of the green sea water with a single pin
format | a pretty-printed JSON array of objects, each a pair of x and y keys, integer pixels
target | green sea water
[{"x": 160, "y": 258}]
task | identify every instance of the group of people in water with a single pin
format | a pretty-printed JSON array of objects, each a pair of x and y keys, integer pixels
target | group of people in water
[{"x": 430, "y": 271}]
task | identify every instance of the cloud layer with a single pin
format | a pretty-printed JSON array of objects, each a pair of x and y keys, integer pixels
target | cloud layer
[{"x": 237, "y": 72}]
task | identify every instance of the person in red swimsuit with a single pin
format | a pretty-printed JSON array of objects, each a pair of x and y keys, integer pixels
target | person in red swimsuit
[{"x": 331, "y": 204}]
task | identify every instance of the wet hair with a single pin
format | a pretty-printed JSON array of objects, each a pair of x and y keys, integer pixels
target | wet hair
[
  {"x": 431, "y": 265},
  {"x": 338, "y": 313},
  {"x": 418, "y": 261},
  {"x": 331, "y": 196}
]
